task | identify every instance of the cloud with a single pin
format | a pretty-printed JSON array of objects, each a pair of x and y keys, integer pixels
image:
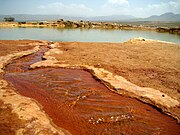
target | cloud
[
  {"x": 171, "y": 6},
  {"x": 158, "y": 9},
  {"x": 41, "y": 7},
  {"x": 114, "y": 7},
  {"x": 110, "y": 7},
  {"x": 118, "y": 2},
  {"x": 124, "y": 7},
  {"x": 68, "y": 10}
]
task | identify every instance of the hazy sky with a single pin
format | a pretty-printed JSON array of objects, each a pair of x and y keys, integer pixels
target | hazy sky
[{"x": 138, "y": 8}]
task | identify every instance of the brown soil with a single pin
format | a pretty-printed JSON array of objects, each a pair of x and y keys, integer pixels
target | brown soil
[
  {"x": 150, "y": 64},
  {"x": 14, "y": 46},
  {"x": 78, "y": 103},
  {"x": 147, "y": 64},
  {"x": 9, "y": 122}
]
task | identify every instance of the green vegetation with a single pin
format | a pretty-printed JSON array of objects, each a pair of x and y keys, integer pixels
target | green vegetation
[{"x": 9, "y": 19}]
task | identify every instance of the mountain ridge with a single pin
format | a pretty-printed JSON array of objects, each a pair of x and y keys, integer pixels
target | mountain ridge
[{"x": 169, "y": 17}]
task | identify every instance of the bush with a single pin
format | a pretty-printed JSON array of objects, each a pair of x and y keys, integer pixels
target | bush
[{"x": 9, "y": 19}]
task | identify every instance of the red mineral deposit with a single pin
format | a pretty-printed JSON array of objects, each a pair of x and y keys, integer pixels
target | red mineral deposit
[{"x": 77, "y": 102}]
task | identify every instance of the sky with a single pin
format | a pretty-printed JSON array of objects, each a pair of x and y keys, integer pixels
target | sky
[{"x": 88, "y": 8}]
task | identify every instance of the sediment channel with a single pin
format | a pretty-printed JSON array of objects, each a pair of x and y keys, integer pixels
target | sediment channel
[{"x": 77, "y": 102}]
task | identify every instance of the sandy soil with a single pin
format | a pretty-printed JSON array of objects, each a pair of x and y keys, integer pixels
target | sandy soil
[
  {"x": 13, "y": 46},
  {"x": 9, "y": 122},
  {"x": 19, "y": 114},
  {"x": 144, "y": 63}
]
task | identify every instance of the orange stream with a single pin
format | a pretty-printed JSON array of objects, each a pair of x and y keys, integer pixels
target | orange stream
[{"x": 78, "y": 103}]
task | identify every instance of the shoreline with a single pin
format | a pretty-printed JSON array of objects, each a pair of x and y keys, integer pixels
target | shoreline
[
  {"x": 115, "y": 83},
  {"x": 122, "y": 86},
  {"x": 111, "y": 80},
  {"x": 28, "y": 112},
  {"x": 90, "y": 25}
]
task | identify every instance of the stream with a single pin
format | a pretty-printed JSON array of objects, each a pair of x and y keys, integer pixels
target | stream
[{"x": 77, "y": 102}]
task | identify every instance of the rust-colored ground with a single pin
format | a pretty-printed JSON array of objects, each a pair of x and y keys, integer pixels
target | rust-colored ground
[
  {"x": 9, "y": 122},
  {"x": 148, "y": 64},
  {"x": 81, "y": 105},
  {"x": 84, "y": 106},
  {"x": 78, "y": 103},
  {"x": 14, "y": 46}
]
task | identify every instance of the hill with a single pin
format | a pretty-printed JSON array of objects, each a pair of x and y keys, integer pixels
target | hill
[{"x": 167, "y": 17}]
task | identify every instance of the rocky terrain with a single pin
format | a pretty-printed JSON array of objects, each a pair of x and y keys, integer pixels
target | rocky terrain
[{"x": 90, "y": 25}]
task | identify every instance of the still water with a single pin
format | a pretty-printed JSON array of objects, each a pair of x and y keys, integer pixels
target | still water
[{"x": 83, "y": 35}]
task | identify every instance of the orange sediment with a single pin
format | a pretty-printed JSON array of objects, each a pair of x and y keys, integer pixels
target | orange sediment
[{"x": 80, "y": 104}]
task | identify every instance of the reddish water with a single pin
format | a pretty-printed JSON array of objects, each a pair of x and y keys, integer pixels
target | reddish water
[{"x": 78, "y": 103}]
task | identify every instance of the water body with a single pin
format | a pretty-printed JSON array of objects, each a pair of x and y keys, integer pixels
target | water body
[{"x": 83, "y": 35}]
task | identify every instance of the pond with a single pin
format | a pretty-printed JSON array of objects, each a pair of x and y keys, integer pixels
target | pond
[{"x": 83, "y": 35}]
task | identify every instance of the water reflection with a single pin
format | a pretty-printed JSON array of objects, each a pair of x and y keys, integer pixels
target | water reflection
[{"x": 83, "y": 35}]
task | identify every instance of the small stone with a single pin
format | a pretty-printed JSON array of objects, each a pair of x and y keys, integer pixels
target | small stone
[{"x": 83, "y": 97}]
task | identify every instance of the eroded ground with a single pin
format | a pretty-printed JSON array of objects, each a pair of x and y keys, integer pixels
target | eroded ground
[
  {"x": 78, "y": 103},
  {"x": 144, "y": 63},
  {"x": 19, "y": 114},
  {"x": 14, "y": 46},
  {"x": 9, "y": 122}
]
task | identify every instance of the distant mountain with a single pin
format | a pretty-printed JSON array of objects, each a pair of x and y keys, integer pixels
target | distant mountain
[
  {"x": 115, "y": 18},
  {"x": 168, "y": 17},
  {"x": 25, "y": 17}
]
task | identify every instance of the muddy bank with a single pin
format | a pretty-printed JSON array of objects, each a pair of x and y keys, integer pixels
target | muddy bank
[
  {"x": 127, "y": 68},
  {"x": 78, "y": 103},
  {"x": 9, "y": 122},
  {"x": 11, "y": 50},
  {"x": 22, "y": 115},
  {"x": 74, "y": 94},
  {"x": 27, "y": 114}
]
